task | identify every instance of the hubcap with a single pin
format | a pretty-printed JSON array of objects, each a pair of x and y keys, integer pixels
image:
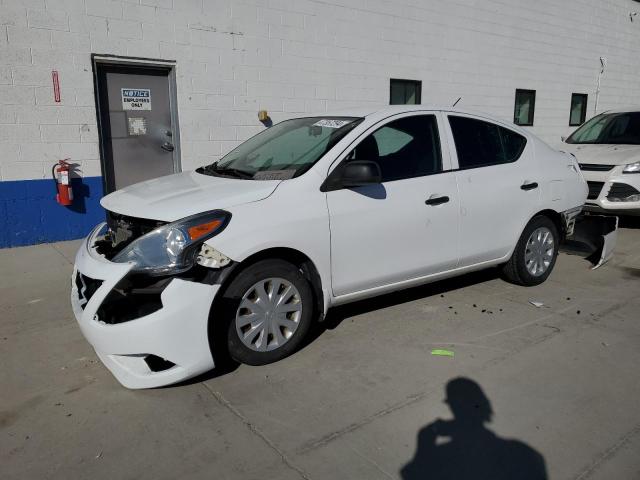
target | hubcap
[
  {"x": 269, "y": 314},
  {"x": 539, "y": 251}
]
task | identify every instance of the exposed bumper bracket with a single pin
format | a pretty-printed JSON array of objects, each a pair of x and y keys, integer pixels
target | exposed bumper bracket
[{"x": 569, "y": 220}]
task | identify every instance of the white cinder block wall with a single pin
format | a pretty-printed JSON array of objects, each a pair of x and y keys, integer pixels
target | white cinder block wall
[{"x": 288, "y": 57}]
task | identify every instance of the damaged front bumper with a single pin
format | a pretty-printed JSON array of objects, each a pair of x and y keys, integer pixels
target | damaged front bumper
[
  {"x": 613, "y": 192},
  {"x": 166, "y": 346}
]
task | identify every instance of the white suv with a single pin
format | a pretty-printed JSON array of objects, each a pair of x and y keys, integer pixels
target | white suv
[
  {"x": 240, "y": 257},
  {"x": 608, "y": 150}
]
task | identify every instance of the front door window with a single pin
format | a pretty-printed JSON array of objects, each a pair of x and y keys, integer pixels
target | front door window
[{"x": 405, "y": 148}]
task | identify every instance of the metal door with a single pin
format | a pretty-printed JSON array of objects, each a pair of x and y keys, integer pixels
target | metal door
[{"x": 137, "y": 124}]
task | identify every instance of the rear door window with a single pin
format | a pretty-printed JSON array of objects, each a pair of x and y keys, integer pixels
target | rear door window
[{"x": 482, "y": 144}]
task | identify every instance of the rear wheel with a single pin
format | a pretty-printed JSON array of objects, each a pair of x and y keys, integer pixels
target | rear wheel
[
  {"x": 535, "y": 254},
  {"x": 269, "y": 313}
]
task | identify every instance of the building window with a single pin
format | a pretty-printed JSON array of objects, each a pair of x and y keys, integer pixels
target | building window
[
  {"x": 405, "y": 92},
  {"x": 578, "y": 112},
  {"x": 524, "y": 107}
]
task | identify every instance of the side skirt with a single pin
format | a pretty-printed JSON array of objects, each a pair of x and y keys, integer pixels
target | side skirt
[{"x": 414, "y": 282}]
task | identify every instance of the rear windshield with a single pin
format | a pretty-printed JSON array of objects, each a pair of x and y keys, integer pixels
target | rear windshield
[
  {"x": 283, "y": 151},
  {"x": 610, "y": 128}
]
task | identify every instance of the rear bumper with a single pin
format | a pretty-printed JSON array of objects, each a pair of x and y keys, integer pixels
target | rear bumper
[{"x": 177, "y": 332}]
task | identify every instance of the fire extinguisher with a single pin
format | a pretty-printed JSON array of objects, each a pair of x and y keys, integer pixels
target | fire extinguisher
[{"x": 60, "y": 173}]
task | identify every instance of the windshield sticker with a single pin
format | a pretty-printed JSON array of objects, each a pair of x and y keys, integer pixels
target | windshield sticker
[
  {"x": 331, "y": 123},
  {"x": 274, "y": 175}
]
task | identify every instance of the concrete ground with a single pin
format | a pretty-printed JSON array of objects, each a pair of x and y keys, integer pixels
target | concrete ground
[{"x": 562, "y": 379}]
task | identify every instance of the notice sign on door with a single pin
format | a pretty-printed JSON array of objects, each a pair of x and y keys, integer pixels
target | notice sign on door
[{"x": 136, "y": 98}]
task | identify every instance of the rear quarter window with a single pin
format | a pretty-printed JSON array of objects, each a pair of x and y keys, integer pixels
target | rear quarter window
[{"x": 482, "y": 144}]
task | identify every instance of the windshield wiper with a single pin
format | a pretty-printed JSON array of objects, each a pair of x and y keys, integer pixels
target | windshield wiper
[{"x": 233, "y": 172}]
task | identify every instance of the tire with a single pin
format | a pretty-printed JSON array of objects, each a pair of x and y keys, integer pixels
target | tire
[
  {"x": 276, "y": 292},
  {"x": 520, "y": 269}
]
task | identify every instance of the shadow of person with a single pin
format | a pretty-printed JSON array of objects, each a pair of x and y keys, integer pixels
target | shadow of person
[{"x": 463, "y": 448}]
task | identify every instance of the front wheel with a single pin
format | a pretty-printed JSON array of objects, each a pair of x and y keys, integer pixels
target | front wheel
[
  {"x": 270, "y": 312},
  {"x": 535, "y": 254}
]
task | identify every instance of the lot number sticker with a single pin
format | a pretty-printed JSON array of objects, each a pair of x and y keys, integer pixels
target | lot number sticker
[
  {"x": 136, "y": 98},
  {"x": 331, "y": 123}
]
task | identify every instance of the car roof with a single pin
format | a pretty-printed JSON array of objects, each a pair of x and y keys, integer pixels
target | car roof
[
  {"x": 635, "y": 108},
  {"x": 382, "y": 111},
  {"x": 385, "y": 110},
  {"x": 366, "y": 111}
]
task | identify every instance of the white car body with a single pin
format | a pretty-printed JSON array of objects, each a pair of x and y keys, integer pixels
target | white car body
[
  {"x": 610, "y": 188},
  {"x": 360, "y": 245}
]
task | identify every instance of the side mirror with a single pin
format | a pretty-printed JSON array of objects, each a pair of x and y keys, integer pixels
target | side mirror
[
  {"x": 360, "y": 172},
  {"x": 563, "y": 138}
]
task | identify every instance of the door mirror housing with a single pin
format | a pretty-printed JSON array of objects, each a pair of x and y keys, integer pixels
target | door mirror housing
[
  {"x": 563, "y": 138},
  {"x": 355, "y": 173},
  {"x": 359, "y": 173}
]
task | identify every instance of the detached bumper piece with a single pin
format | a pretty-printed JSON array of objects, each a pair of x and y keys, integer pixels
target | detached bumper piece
[
  {"x": 594, "y": 236},
  {"x": 147, "y": 333}
]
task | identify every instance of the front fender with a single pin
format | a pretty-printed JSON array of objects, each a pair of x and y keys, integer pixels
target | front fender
[{"x": 293, "y": 218}]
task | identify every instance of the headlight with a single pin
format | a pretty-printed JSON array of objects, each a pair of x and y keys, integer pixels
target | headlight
[
  {"x": 632, "y": 168},
  {"x": 172, "y": 248}
]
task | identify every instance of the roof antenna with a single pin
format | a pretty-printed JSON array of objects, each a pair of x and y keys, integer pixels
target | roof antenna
[{"x": 456, "y": 102}]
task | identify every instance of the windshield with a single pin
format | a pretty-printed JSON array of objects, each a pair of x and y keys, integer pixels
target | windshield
[
  {"x": 283, "y": 151},
  {"x": 616, "y": 128}
]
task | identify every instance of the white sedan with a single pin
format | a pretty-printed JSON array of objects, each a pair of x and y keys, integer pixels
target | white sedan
[
  {"x": 240, "y": 257},
  {"x": 608, "y": 150}
]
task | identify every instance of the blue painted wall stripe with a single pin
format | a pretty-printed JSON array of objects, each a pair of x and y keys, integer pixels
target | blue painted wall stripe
[{"x": 29, "y": 213}]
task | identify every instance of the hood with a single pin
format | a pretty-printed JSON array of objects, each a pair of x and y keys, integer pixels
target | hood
[
  {"x": 177, "y": 196},
  {"x": 603, "y": 154}
]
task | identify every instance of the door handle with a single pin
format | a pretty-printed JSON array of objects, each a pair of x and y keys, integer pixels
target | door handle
[
  {"x": 167, "y": 146},
  {"x": 529, "y": 186},
  {"x": 436, "y": 200}
]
